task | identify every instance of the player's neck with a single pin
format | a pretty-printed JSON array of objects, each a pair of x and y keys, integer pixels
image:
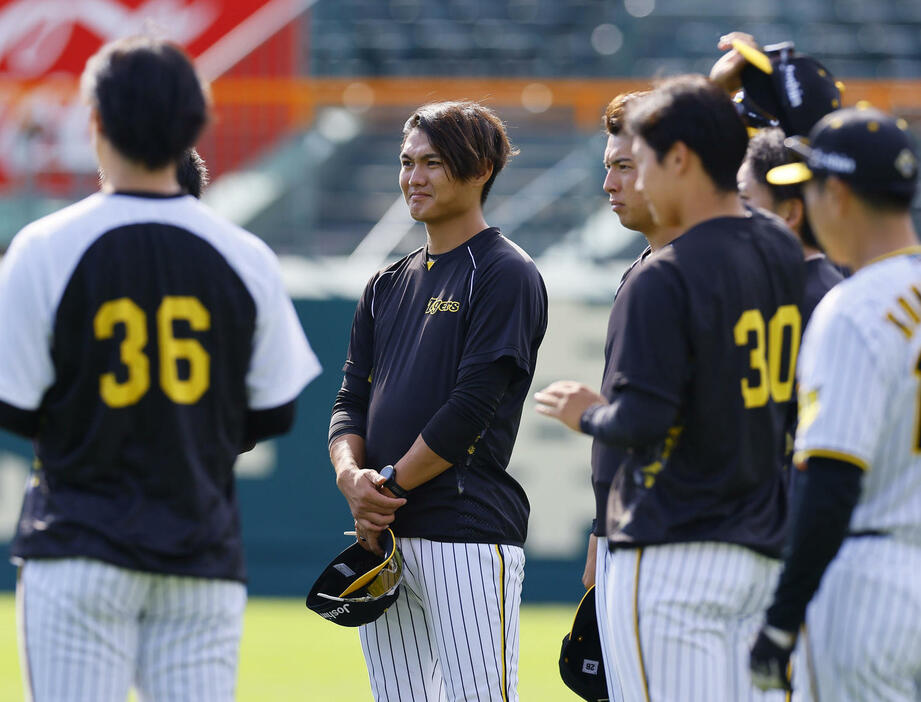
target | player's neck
[
  {"x": 701, "y": 201},
  {"x": 445, "y": 235},
  {"x": 883, "y": 236},
  {"x": 126, "y": 177},
  {"x": 659, "y": 237}
]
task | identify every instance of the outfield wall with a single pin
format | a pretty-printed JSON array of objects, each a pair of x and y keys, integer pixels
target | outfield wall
[{"x": 293, "y": 515}]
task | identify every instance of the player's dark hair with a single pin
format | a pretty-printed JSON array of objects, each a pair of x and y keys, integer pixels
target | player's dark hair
[
  {"x": 615, "y": 114},
  {"x": 192, "y": 173},
  {"x": 151, "y": 104},
  {"x": 467, "y": 136},
  {"x": 766, "y": 151},
  {"x": 884, "y": 202},
  {"x": 695, "y": 111}
]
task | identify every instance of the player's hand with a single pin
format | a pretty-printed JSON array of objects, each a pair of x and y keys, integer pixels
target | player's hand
[
  {"x": 727, "y": 71},
  {"x": 368, "y": 540},
  {"x": 588, "y": 575},
  {"x": 373, "y": 511},
  {"x": 566, "y": 400},
  {"x": 770, "y": 659}
]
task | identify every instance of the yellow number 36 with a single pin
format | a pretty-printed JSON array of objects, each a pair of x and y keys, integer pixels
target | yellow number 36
[{"x": 125, "y": 311}]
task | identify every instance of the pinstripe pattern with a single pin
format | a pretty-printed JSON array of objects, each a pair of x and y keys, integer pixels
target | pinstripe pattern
[
  {"x": 863, "y": 624},
  {"x": 90, "y": 630},
  {"x": 680, "y": 619},
  {"x": 603, "y": 561},
  {"x": 453, "y": 632}
]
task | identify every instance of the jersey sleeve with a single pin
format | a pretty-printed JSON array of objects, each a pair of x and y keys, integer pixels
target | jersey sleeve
[
  {"x": 360, "y": 358},
  {"x": 650, "y": 339},
  {"x": 26, "y": 367},
  {"x": 842, "y": 392},
  {"x": 282, "y": 362},
  {"x": 508, "y": 313}
]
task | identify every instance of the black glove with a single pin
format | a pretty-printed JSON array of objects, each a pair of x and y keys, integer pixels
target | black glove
[{"x": 770, "y": 659}]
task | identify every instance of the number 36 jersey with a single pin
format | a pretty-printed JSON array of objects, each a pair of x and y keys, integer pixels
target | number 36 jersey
[
  {"x": 860, "y": 389},
  {"x": 710, "y": 323},
  {"x": 142, "y": 329}
]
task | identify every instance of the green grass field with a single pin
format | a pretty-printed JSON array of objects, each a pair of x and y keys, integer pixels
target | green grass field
[{"x": 289, "y": 653}]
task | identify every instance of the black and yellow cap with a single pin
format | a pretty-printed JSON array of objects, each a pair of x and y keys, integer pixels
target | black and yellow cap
[
  {"x": 581, "y": 662},
  {"x": 782, "y": 88},
  {"x": 358, "y": 586},
  {"x": 861, "y": 145}
]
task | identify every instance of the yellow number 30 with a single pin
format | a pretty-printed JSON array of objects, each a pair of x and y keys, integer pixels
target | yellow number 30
[
  {"x": 767, "y": 365},
  {"x": 172, "y": 350}
]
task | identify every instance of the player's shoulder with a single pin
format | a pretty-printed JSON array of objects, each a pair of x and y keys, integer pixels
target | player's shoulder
[
  {"x": 84, "y": 214},
  {"x": 491, "y": 250}
]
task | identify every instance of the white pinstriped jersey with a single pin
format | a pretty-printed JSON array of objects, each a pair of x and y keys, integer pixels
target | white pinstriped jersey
[{"x": 860, "y": 388}]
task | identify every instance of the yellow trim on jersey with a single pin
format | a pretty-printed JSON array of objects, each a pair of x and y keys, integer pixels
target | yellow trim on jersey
[
  {"x": 801, "y": 456},
  {"x": 897, "y": 252},
  {"x": 636, "y": 623},
  {"x": 502, "y": 619}
]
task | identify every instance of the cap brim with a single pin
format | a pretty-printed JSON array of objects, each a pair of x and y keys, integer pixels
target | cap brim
[
  {"x": 789, "y": 174},
  {"x": 360, "y": 582},
  {"x": 756, "y": 58}
]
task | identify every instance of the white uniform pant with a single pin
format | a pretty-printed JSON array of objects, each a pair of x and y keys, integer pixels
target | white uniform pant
[
  {"x": 680, "y": 620},
  {"x": 452, "y": 634},
  {"x": 89, "y": 630},
  {"x": 863, "y": 627}
]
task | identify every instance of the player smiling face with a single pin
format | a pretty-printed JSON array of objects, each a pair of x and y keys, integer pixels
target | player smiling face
[
  {"x": 620, "y": 185},
  {"x": 432, "y": 193}
]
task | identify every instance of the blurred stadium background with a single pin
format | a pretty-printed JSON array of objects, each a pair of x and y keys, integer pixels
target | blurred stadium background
[{"x": 310, "y": 96}]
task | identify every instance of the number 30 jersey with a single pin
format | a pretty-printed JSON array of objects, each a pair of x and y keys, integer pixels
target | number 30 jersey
[
  {"x": 860, "y": 389},
  {"x": 710, "y": 323},
  {"x": 142, "y": 329}
]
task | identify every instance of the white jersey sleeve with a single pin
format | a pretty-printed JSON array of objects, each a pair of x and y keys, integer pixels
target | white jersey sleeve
[
  {"x": 282, "y": 362},
  {"x": 26, "y": 368}
]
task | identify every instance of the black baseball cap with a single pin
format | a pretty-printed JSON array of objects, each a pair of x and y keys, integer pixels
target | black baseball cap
[
  {"x": 358, "y": 586},
  {"x": 860, "y": 145},
  {"x": 781, "y": 88},
  {"x": 581, "y": 662}
]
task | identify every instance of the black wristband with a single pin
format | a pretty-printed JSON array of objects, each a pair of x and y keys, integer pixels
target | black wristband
[{"x": 390, "y": 482}]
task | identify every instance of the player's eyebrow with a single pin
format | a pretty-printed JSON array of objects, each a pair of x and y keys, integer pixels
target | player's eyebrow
[
  {"x": 617, "y": 161},
  {"x": 424, "y": 157}
]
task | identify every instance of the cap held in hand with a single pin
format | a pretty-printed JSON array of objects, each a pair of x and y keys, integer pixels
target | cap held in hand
[{"x": 358, "y": 586}]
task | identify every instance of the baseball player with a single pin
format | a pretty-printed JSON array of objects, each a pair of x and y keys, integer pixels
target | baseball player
[
  {"x": 704, "y": 339},
  {"x": 631, "y": 208},
  {"x": 766, "y": 151},
  {"x": 148, "y": 342},
  {"x": 855, "y": 545},
  {"x": 440, "y": 359}
]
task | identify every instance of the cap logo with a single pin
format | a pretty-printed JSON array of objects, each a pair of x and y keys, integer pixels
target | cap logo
[
  {"x": 836, "y": 163},
  {"x": 792, "y": 86},
  {"x": 906, "y": 163}
]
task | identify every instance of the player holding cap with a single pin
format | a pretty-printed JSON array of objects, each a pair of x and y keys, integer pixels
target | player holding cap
[
  {"x": 857, "y": 528},
  {"x": 440, "y": 360}
]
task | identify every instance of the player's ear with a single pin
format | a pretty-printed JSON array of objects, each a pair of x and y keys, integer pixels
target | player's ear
[
  {"x": 484, "y": 174},
  {"x": 793, "y": 212},
  {"x": 839, "y": 197},
  {"x": 678, "y": 157}
]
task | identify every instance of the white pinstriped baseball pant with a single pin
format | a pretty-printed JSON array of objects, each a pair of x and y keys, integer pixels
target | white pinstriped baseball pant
[
  {"x": 680, "y": 619},
  {"x": 863, "y": 627},
  {"x": 89, "y": 630},
  {"x": 452, "y": 634}
]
